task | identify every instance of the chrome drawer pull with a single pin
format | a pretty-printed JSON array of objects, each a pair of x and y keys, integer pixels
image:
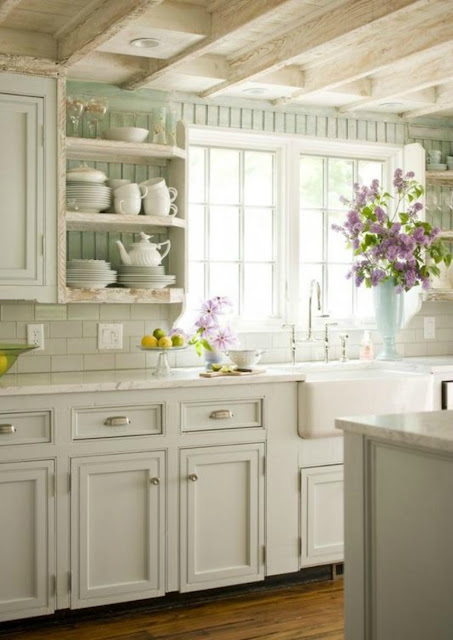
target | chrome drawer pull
[
  {"x": 7, "y": 428},
  {"x": 117, "y": 421},
  {"x": 221, "y": 414},
  {"x": 193, "y": 477},
  {"x": 155, "y": 481}
]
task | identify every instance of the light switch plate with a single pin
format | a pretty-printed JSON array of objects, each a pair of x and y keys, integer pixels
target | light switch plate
[
  {"x": 110, "y": 336},
  {"x": 429, "y": 328}
]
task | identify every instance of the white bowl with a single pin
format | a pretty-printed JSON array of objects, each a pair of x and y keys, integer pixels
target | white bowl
[
  {"x": 245, "y": 358},
  {"x": 127, "y": 134}
]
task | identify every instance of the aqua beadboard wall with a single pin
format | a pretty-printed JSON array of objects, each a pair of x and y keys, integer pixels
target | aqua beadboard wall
[{"x": 70, "y": 330}]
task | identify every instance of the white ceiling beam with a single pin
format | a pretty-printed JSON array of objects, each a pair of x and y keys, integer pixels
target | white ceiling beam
[
  {"x": 105, "y": 21},
  {"x": 29, "y": 65},
  {"x": 354, "y": 16},
  {"x": 378, "y": 54},
  {"x": 6, "y": 6},
  {"x": 444, "y": 101},
  {"x": 399, "y": 83},
  {"x": 229, "y": 18}
]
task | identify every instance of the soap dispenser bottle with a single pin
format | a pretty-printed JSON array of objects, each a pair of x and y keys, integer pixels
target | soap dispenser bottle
[{"x": 366, "y": 347}]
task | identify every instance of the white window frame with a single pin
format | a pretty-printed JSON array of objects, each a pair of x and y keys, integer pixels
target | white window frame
[{"x": 288, "y": 149}]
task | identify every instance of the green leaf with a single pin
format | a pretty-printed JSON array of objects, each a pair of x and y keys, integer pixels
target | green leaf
[{"x": 206, "y": 344}]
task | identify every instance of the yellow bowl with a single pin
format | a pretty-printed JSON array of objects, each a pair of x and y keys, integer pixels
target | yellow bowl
[{"x": 9, "y": 354}]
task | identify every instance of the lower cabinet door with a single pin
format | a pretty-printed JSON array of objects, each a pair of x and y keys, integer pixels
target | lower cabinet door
[
  {"x": 322, "y": 528},
  {"x": 117, "y": 528},
  {"x": 27, "y": 541},
  {"x": 222, "y": 516}
]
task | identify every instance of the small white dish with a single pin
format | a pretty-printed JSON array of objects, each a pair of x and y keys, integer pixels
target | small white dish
[{"x": 127, "y": 134}]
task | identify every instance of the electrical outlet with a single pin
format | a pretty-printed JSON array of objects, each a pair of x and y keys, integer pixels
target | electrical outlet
[
  {"x": 110, "y": 336},
  {"x": 35, "y": 335},
  {"x": 429, "y": 328}
]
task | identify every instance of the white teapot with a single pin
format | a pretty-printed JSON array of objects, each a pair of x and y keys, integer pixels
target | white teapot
[{"x": 143, "y": 253}]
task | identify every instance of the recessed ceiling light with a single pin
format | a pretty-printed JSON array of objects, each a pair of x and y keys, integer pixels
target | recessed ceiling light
[
  {"x": 255, "y": 91},
  {"x": 145, "y": 43}
]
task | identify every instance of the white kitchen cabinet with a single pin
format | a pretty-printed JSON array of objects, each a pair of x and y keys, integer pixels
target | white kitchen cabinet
[
  {"x": 28, "y": 184},
  {"x": 222, "y": 516},
  {"x": 322, "y": 521},
  {"x": 117, "y": 528},
  {"x": 27, "y": 544}
]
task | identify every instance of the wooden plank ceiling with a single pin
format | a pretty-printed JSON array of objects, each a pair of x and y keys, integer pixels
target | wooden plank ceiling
[{"x": 381, "y": 55}]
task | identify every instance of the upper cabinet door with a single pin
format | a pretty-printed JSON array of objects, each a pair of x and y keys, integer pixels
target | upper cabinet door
[
  {"x": 28, "y": 188},
  {"x": 21, "y": 186}
]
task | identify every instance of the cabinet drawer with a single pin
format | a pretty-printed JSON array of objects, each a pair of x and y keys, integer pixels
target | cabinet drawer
[
  {"x": 221, "y": 414},
  {"x": 111, "y": 422},
  {"x": 25, "y": 428}
]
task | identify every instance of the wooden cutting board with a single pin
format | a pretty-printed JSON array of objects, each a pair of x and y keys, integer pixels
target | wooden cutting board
[{"x": 218, "y": 374}]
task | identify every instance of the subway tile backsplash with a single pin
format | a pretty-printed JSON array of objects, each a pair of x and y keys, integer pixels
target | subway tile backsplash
[{"x": 71, "y": 337}]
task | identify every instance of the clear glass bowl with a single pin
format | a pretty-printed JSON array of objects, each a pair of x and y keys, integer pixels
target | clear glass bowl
[{"x": 9, "y": 354}]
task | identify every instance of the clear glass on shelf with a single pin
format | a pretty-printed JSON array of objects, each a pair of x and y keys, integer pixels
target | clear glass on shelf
[
  {"x": 74, "y": 108},
  {"x": 95, "y": 110},
  {"x": 159, "y": 116}
]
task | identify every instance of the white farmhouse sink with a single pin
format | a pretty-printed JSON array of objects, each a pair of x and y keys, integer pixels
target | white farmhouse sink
[{"x": 330, "y": 393}]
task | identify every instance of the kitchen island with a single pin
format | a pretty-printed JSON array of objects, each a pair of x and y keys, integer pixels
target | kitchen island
[{"x": 398, "y": 526}]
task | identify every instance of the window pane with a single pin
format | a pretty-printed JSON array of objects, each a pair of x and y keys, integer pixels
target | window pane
[
  {"x": 258, "y": 290},
  {"x": 258, "y": 178},
  {"x": 258, "y": 234},
  {"x": 311, "y": 236},
  {"x": 224, "y": 233},
  {"x": 368, "y": 171},
  {"x": 336, "y": 242},
  {"x": 197, "y": 174},
  {"x": 364, "y": 297},
  {"x": 340, "y": 182},
  {"x": 196, "y": 232},
  {"x": 311, "y": 187},
  {"x": 224, "y": 176},
  {"x": 339, "y": 292},
  {"x": 224, "y": 281},
  {"x": 197, "y": 281}
]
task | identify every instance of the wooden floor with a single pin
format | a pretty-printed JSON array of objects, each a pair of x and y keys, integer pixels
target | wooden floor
[{"x": 311, "y": 611}]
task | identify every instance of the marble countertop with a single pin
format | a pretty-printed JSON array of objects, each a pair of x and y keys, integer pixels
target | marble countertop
[
  {"x": 430, "y": 429},
  {"x": 79, "y": 382}
]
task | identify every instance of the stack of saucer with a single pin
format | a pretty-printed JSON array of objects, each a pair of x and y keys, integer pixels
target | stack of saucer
[
  {"x": 85, "y": 190},
  {"x": 135, "y": 277},
  {"x": 89, "y": 274}
]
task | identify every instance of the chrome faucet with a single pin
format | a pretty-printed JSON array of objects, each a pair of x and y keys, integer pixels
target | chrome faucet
[
  {"x": 313, "y": 284},
  {"x": 326, "y": 340}
]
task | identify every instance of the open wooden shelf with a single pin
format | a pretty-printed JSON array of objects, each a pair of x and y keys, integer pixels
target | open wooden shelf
[
  {"x": 115, "y": 151},
  {"x": 127, "y": 296},
  {"x": 114, "y": 222},
  {"x": 440, "y": 178}
]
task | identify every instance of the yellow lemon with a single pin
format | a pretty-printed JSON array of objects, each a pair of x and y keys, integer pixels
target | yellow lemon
[
  {"x": 149, "y": 341},
  {"x": 159, "y": 333},
  {"x": 177, "y": 340},
  {"x": 3, "y": 364},
  {"x": 165, "y": 342}
]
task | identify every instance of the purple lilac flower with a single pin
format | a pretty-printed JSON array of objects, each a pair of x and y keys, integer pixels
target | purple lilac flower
[
  {"x": 377, "y": 275},
  {"x": 380, "y": 214}
]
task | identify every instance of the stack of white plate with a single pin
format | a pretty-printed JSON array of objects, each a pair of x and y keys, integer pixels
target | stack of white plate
[
  {"x": 144, "y": 277},
  {"x": 89, "y": 274},
  {"x": 89, "y": 197}
]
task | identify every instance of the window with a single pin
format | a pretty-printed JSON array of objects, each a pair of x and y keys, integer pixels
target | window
[
  {"x": 261, "y": 208},
  {"x": 323, "y": 255},
  {"x": 232, "y": 227}
]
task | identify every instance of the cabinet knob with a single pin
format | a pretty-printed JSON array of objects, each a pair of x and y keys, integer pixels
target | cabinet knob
[
  {"x": 193, "y": 477},
  {"x": 7, "y": 428},
  {"x": 117, "y": 421},
  {"x": 155, "y": 481}
]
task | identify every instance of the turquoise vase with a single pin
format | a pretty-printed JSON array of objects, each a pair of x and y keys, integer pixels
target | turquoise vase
[
  {"x": 212, "y": 357},
  {"x": 389, "y": 308}
]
